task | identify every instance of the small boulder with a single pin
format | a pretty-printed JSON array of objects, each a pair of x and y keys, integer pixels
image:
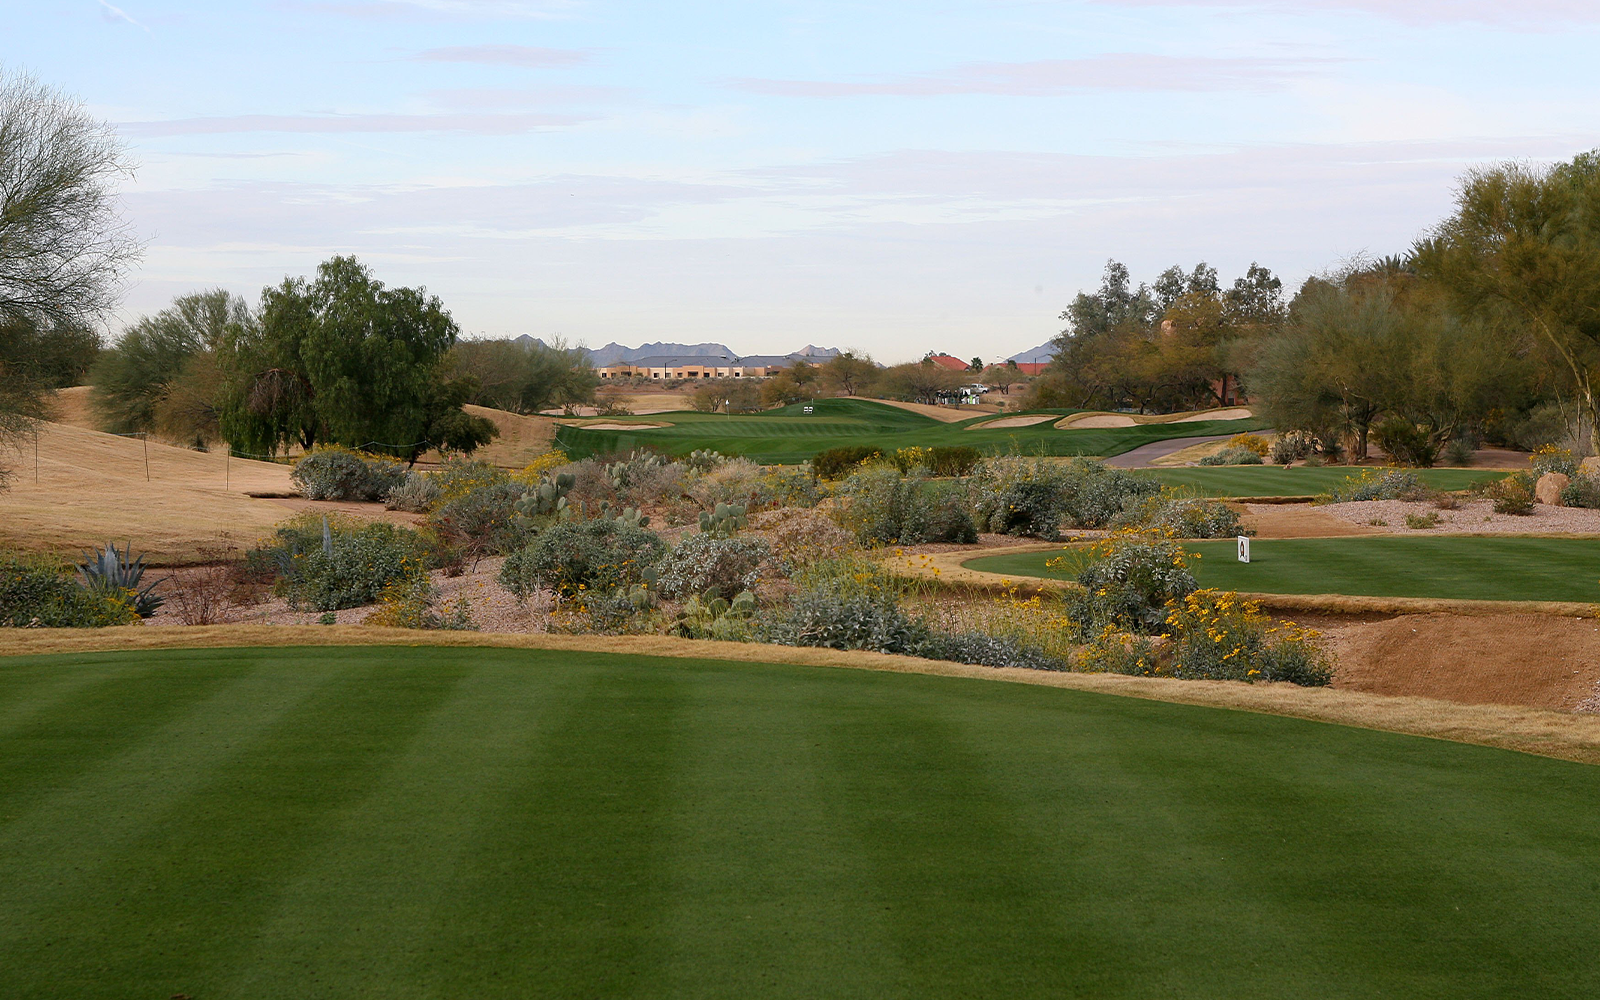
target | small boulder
[
  {"x": 1589, "y": 467},
  {"x": 1548, "y": 489}
]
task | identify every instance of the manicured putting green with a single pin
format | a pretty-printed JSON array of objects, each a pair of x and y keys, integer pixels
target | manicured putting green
[
  {"x": 789, "y": 436},
  {"x": 1275, "y": 480},
  {"x": 426, "y": 823},
  {"x": 1485, "y": 569}
]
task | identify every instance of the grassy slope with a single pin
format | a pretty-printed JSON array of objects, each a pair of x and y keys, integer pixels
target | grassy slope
[
  {"x": 1488, "y": 569},
  {"x": 489, "y": 823},
  {"x": 788, "y": 436},
  {"x": 1273, "y": 480}
]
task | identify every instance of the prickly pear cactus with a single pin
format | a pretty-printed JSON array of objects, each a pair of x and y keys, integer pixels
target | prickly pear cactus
[{"x": 725, "y": 520}]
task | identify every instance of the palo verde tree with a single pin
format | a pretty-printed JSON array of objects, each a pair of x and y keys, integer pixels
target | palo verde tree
[
  {"x": 63, "y": 245},
  {"x": 1522, "y": 254},
  {"x": 345, "y": 360}
]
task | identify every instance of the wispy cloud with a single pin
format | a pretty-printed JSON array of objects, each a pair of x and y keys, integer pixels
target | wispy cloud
[
  {"x": 1536, "y": 14},
  {"x": 480, "y": 124},
  {"x": 1046, "y": 77},
  {"x": 432, "y": 9},
  {"x": 117, "y": 15},
  {"x": 526, "y": 56}
]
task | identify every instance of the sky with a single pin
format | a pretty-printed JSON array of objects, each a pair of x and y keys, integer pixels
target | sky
[{"x": 891, "y": 177}]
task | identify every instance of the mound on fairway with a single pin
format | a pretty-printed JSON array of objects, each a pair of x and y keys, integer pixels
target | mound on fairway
[
  {"x": 1510, "y": 568},
  {"x": 392, "y": 822},
  {"x": 789, "y": 436}
]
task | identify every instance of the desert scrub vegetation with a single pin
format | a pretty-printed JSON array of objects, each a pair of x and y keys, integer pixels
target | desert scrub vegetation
[
  {"x": 835, "y": 463},
  {"x": 1378, "y": 484},
  {"x": 327, "y": 563},
  {"x": 1127, "y": 581},
  {"x": 880, "y": 505},
  {"x": 712, "y": 566},
  {"x": 334, "y": 473},
  {"x": 38, "y": 591},
  {"x": 412, "y": 601},
  {"x": 590, "y": 557},
  {"x": 1234, "y": 456},
  {"x": 1217, "y": 636},
  {"x": 1177, "y": 511}
]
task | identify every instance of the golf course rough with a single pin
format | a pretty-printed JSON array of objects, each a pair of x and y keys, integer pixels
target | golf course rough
[
  {"x": 790, "y": 435},
  {"x": 1496, "y": 568},
  {"x": 460, "y": 822}
]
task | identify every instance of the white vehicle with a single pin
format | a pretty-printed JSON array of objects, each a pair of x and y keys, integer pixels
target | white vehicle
[{"x": 975, "y": 389}]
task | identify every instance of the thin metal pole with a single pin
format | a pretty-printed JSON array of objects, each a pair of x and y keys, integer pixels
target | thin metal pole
[
  {"x": 36, "y": 456},
  {"x": 146, "y": 439},
  {"x": 227, "y": 469}
]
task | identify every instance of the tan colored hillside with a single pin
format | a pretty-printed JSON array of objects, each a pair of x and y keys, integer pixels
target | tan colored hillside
[
  {"x": 92, "y": 488},
  {"x": 521, "y": 440}
]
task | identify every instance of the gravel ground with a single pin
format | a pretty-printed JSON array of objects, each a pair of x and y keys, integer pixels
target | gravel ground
[{"x": 1472, "y": 516}]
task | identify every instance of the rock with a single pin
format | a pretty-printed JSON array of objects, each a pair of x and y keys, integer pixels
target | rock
[
  {"x": 1548, "y": 488},
  {"x": 1589, "y": 466}
]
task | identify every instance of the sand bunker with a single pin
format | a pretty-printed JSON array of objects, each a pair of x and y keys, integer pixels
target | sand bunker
[
  {"x": 1096, "y": 420},
  {"x": 619, "y": 427},
  {"x": 1237, "y": 413},
  {"x": 1026, "y": 420}
]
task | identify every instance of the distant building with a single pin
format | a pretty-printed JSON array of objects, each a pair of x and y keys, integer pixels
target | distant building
[{"x": 947, "y": 362}]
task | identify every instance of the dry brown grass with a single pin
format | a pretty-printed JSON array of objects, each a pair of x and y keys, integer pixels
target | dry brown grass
[
  {"x": 91, "y": 487},
  {"x": 1551, "y": 734},
  {"x": 521, "y": 440}
]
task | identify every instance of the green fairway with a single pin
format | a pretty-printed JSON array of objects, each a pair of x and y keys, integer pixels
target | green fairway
[
  {"x": 437, "y": 823},
  {"x": 789, "y": 436},
  {"x": 1485, "y": 568},
  {"x": 1275, "y": 480}
]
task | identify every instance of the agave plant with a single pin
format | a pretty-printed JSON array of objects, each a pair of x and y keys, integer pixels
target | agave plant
[{"x": 109, "y": 571}]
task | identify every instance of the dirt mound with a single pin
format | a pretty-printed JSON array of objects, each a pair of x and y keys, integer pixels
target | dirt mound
[
  {"x": 1534, "y": 660},
  {"x": 1270, "y": 520},
  {"x": 522, "y": 438}
]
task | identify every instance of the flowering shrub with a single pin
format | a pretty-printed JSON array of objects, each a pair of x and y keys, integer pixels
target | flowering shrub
[
  {"x": 1549, "y": 458},
  {"x": 1511, "y": 495},
  {"x": 1217, "y": 636},
  {"x": 1250, "y": 442},
  {"x": 334, "y": 473},
  {"x": 1019, "y": 497},
  {"x": 1378, "y": 484},
  {"x": 836, "y": 462},
  {"x": 412, "y": 602},
  {"x": 536, "y": 469},
  {"x": 1128, "y": 580},
  {"x": 576, "y": 558},
  {"x": 800, "y": 538},
  {"x": 710, "y": 566},
  {"x": 459, "y": 476}
]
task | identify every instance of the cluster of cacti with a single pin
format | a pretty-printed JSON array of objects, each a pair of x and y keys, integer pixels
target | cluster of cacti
[
  {"x": 624, "y": 474},
  {"x": 724, "y": 520},
  {"x": 704, "y": 460},
  {"x": 548, "y": 498},
  {"x": 629, "y": 516},
  {"x": 108, "y": 571}
]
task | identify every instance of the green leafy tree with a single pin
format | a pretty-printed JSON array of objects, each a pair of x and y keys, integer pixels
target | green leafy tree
[
  {"x": 346, "y": 360},
  {"x": 1522, "y": 253}
]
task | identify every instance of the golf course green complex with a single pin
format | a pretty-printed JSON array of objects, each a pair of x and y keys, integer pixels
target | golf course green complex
[
  {"x": 433, "y": 822},
  {"x": 1507, "y": 568},
  {"x": 789, "y": 436}
]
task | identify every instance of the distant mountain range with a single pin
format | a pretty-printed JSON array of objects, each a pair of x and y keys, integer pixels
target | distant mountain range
[
  {"x": 612, "y": 353},
  {"x": 1043, "y": 353}
]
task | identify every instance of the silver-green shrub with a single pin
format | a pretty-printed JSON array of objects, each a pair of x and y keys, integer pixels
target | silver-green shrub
[{"x": 341, "y": 474}]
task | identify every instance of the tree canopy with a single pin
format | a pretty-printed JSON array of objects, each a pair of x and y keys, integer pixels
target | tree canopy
[{"x": 343, "y": 359}]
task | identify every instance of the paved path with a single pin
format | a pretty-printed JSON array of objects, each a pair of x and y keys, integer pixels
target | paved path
[{"x": 1143, "y": 455}]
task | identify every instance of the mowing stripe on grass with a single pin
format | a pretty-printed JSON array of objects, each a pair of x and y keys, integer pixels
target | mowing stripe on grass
[
  {"x": 427, "y": 822},
  {"x": 1486, "y": 568}
]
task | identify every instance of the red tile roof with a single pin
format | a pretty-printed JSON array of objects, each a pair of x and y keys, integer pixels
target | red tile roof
[{"x": 946, "y": 361}]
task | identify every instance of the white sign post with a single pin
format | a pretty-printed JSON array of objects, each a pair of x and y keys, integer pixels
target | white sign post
[{"x": 1244, "y": 548}]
